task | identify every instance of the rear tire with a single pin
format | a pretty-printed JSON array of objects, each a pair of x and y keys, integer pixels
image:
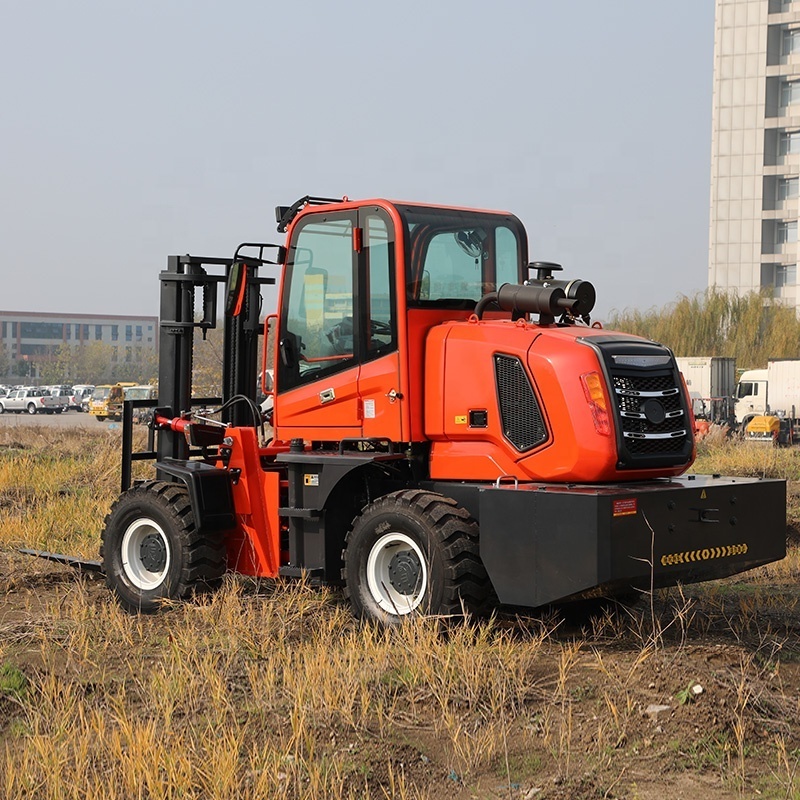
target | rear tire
[
  {"x": 414, "y": 552},
  {"x": 31, "y": 408},
  {"x": 152, "y": 551}
]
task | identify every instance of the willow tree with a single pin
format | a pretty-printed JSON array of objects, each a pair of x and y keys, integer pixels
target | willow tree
[{"x": 750, "y": 328}]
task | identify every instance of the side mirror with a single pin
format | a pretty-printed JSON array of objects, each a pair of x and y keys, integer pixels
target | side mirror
[{"x": 234, "y": 290}]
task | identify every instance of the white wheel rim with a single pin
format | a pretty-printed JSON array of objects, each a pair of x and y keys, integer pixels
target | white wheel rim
[
  {"x": 133, "y": 562},
  {"x": 379, "y": 576}
]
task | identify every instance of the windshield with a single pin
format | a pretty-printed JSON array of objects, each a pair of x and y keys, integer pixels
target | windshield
[
  {"x": 455, "y": 257},
  {"x": 138, "y": 393},
  {"x": 101, "y": 392},
  {"x": 746, "y": 389}
]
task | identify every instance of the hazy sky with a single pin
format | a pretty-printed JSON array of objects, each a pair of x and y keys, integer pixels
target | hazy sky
[{"x": 131, "y": 131}]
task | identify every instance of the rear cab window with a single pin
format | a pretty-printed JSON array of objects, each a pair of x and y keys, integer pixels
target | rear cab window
[{"x": 455, "y": 257}]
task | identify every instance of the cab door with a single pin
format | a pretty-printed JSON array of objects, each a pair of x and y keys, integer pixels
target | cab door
[
  {"x": 381, "y": 394},
  {"x": 317, "y": 375},
  {"x": 338, "y": 362}
]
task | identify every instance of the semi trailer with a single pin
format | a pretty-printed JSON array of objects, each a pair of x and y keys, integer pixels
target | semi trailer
[{"x": 711, "y": 382}]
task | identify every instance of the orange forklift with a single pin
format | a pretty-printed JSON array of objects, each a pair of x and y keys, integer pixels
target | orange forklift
[{"x": 449, "y": 430}]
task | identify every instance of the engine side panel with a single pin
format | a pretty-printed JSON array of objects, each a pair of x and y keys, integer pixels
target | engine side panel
[{"x": 511, "y": 398}]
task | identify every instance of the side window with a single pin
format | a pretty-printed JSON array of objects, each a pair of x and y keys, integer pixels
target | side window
[
  {"x": 380, "y": 289},
  {"x": 453, "y": 265},
  {"x": 506, "y": 257},
  {"x": 464, "y": 264},
  {"x": 319, "y": 315}
]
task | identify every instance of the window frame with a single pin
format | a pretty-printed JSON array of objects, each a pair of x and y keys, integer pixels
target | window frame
[
  {"x": 291, "y": 378},
  {"x": 786, "y": 232},
  {"x": 367, "y": 353},
  {"x": 442, "y": 220},
  {"x": 790, "y": 93},
  {"x": 785, "y": 275},
  {"x": 784, "y": 184}
]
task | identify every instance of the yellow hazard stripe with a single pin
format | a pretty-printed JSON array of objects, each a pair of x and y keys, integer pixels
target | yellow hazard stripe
[{"x": 706, "y": 554}]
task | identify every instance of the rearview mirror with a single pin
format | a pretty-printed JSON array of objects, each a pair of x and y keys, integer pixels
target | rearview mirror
[{"x": 234, "y": 291}]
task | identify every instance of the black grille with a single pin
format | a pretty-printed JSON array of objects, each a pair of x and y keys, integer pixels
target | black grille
[
  {"x": 519, "y": 412},
  {"x": 649, "y": 405},
  {"x": 644, "y": 383},
  {"x": 631, "y": 393}
]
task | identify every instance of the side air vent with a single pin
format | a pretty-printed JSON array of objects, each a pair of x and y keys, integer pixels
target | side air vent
[{"x": 522, "y": 421}]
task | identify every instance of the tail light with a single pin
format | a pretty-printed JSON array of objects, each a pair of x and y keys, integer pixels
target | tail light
[{"x": 596, "y": 398}]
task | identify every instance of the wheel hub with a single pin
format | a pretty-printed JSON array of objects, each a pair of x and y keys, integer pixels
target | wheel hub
[
  {"x": 153, "y": 553},
  {"x": 405, "y": 572}
]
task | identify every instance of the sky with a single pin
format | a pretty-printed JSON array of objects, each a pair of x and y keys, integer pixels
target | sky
[{"x": 132, "y": 131}]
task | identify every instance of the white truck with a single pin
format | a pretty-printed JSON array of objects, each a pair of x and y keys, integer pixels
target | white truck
[
  {"x": 711, "y": 381},
  {"x": 774, "y": 391},
  {"x": 31, "y": 400}
]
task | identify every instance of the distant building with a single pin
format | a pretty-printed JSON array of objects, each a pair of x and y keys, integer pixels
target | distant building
[
  {"x": 755, "y": 157},
  {"x": 33, "y": 337}
]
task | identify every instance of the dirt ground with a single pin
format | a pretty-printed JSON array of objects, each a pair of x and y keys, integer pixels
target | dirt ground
[{"x": 627, "y": 721}]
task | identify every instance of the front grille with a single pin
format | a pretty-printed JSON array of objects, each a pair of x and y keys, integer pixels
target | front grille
[
  {"x": 522, "y": 420},
  {"x": 649, "y": 404},
  {"x": 644, "y": 383}
]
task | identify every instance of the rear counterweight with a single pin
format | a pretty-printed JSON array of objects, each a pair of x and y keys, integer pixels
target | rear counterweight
[{"x": 545, "y": 543}]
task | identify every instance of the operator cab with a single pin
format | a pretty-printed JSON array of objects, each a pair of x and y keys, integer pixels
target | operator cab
[{"x": 363, "y": 283}]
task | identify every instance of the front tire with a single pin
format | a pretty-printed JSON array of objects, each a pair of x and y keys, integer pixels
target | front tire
[
  {"x": 414, "y": 552},
  {"x": 152, "y": 551}
]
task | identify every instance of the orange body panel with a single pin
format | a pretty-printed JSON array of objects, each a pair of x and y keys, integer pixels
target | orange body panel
[
  {"x": 254, "y": 548},
  {"x": 382, "y": 418},
  {"x": 420, "y": 323},
  {"x": 361, "y": 406},
  {"x": 301, "y": 413}
]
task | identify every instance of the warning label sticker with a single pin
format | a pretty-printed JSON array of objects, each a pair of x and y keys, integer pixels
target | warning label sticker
[{"x": 626, "y": 507}]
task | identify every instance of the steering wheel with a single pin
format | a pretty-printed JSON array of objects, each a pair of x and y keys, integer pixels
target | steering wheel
[{"x": 379, "y": 328}]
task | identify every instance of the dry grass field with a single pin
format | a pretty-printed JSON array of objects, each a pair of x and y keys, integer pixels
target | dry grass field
[{"x": 272, "y": 690}]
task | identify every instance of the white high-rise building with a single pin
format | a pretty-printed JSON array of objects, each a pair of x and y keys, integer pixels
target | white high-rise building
[{"x": 755, "y": 158}]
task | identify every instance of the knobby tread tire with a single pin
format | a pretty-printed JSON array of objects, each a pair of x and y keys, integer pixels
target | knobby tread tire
[
  {"x": 452, "y": 545},
  {"x": 198, "y": 559}
]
